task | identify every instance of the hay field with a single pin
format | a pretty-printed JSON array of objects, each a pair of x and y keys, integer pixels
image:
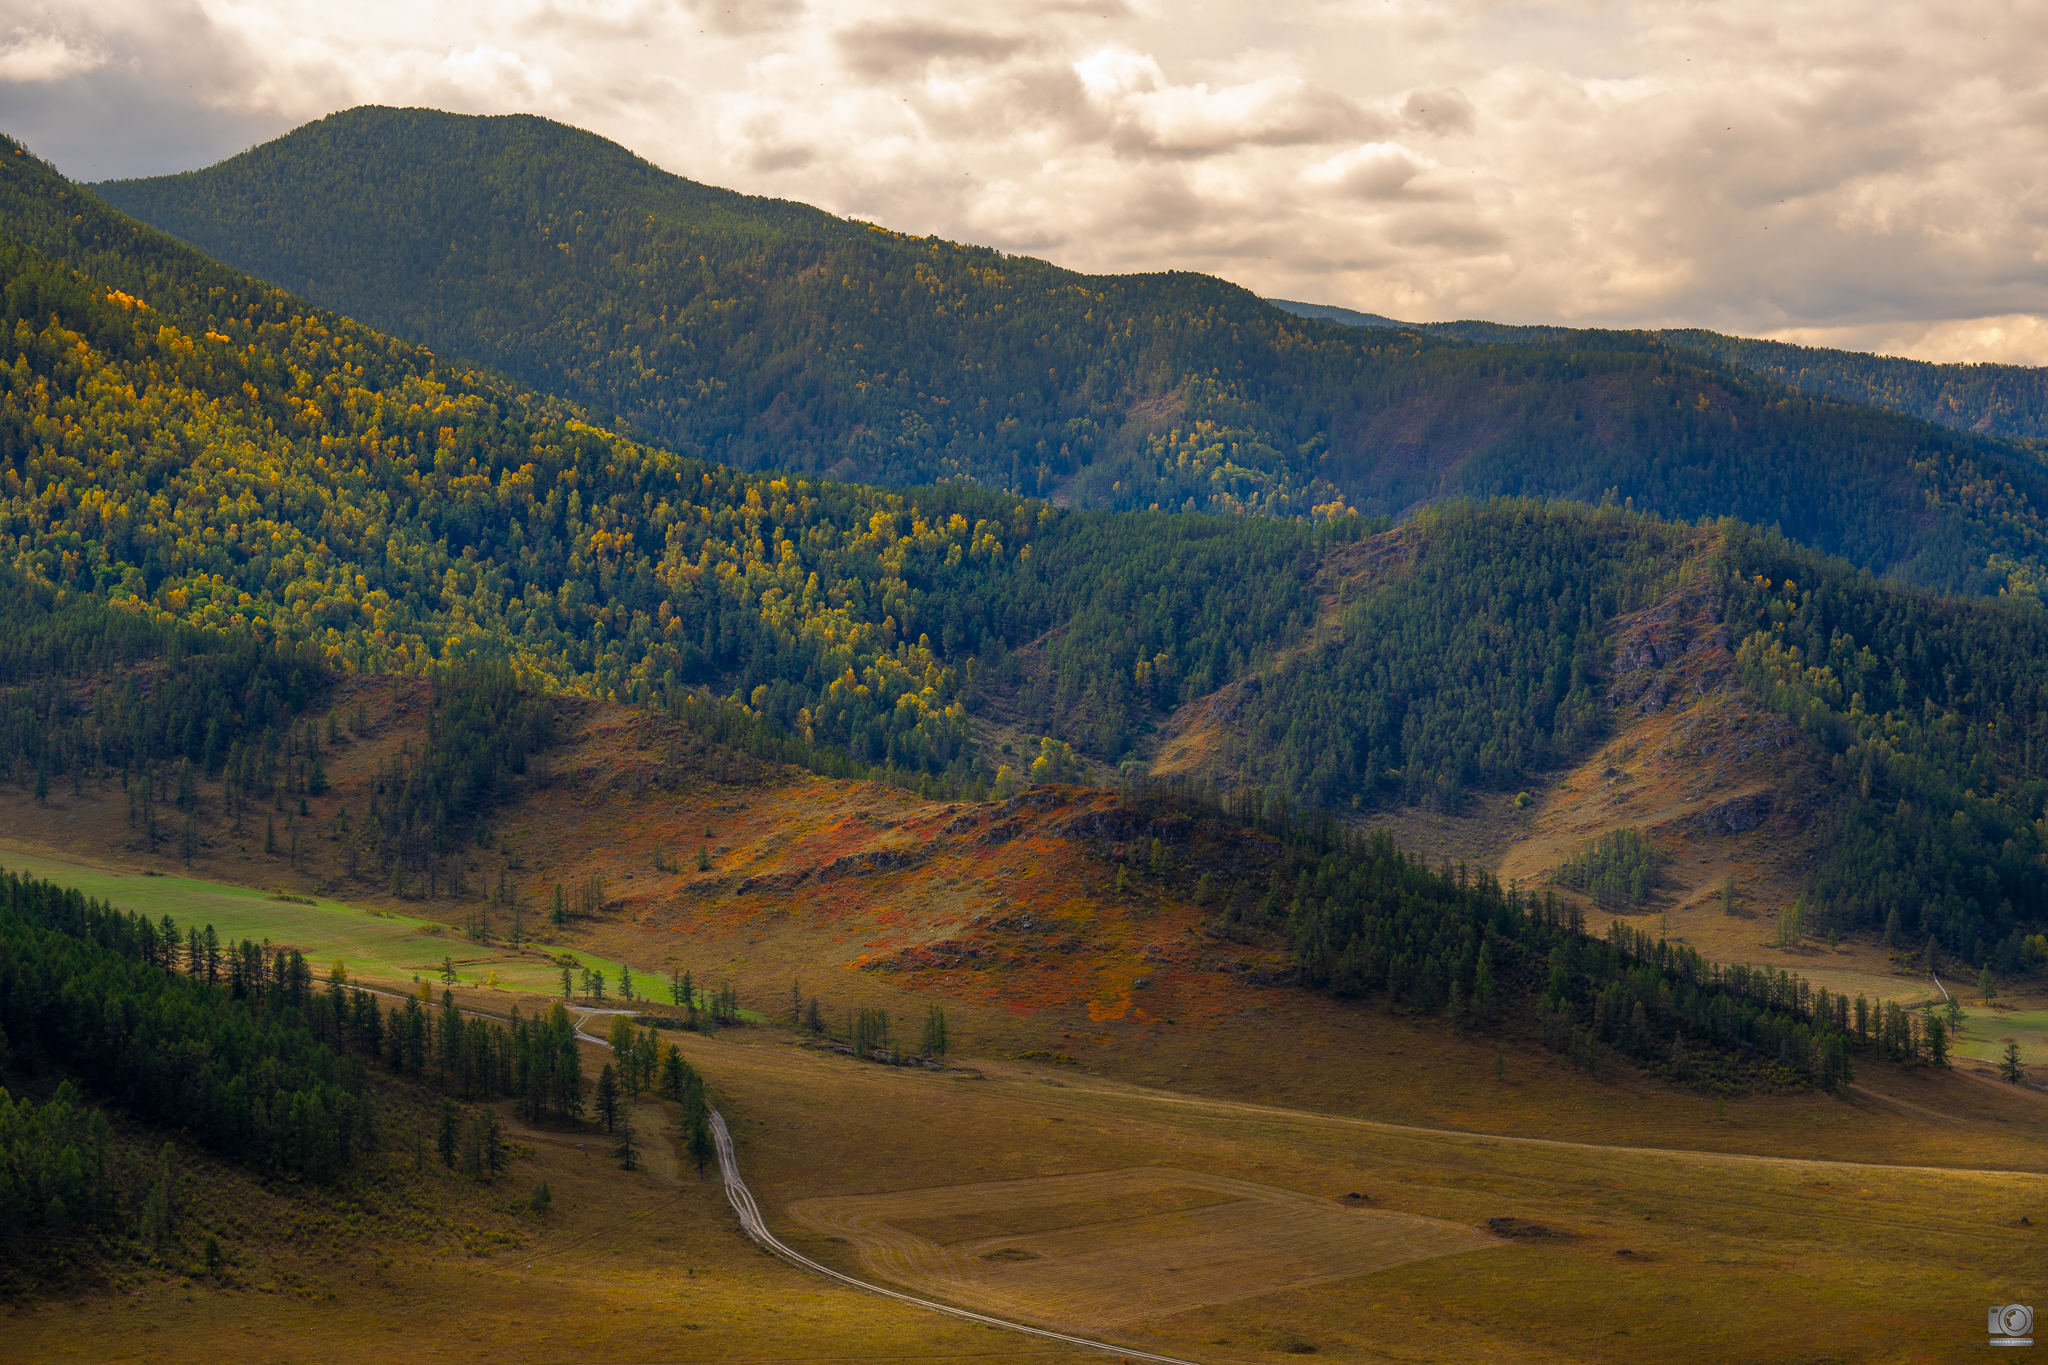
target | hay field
[
  {"x": 1619, "y": 1254},
  {"x": 1644, "y": 1255},
  {"x": 1109, "y": 1248}
]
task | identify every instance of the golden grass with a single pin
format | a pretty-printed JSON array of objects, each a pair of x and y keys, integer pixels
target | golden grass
[
  {"x": 1179, "y": 1067},
  {"x": 1098, "y": 1250}
]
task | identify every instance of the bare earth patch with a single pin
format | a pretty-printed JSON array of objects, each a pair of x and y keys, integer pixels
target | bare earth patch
[{"x": 1113, "y": 1247}]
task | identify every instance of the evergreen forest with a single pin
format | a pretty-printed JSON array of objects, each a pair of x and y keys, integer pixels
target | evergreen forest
[
  {"x": 763, "y": 334},
  {"x": 2000, "y": 400},
  {"x": 217, "y": 496}
]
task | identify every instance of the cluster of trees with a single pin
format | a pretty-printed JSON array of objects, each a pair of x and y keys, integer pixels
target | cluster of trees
[
  {"x": 641, "y": 1064},
  {"x": 765, "y": 334},
  {"x": 1933, "y": 714},
  {"x": 1473, "y": 660},
  {"x": 84, "y": 987},
  {"x": 2005, "y": 400},
  {"x": 239, "y": 1046},
  {"x": 1362, "y": 920},
  {"x": 2002, "y": 400},
  {"x": 1616, "y": 870},
  {"x": 163, "y": 700},
  {"x": 426, "y": 808}
]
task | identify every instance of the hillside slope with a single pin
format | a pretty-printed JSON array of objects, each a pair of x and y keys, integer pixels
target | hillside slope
[
  {"x": 768, "y": 335},
  {"x": 1998, "y": 400}
]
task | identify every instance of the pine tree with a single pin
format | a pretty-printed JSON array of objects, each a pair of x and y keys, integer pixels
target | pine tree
[
  {"x": 1987, "y": 987},
  {"x": 445, "y": 1139},
  {"x": 1482, "y": 984},
  {"x": 704, "y": 858},
  {"x": 1891, "y": 930},
  {"x": 625, "y": 982},
  {"x": 1937, "y": 1040},
  {"x": 555, "y": 912},
  {"x": 935, "y": 1040},
  {"x": 2009, "y": 1065},
  {"x": 814, "y": 1018},
  {"x": 607, "y": 1096},
  {"x": 624, "y": 1149},
  {"x": 1639, "y": 1028},
  {"x": 674, "y": 1073},
  {"x": 701, "y": 1147},
  {"x": 493, "y": 1135}
]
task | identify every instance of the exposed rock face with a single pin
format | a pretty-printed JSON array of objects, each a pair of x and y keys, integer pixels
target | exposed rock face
[
  {"x": 875, "y": 860},
  {"x": 1742, "y": 814}
]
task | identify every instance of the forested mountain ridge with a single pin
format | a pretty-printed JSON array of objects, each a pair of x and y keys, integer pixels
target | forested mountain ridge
[
  {"x": 1992, "y": 399},
  {"x": 187, "y": 443},
  {"x": 768, "y": 335}
]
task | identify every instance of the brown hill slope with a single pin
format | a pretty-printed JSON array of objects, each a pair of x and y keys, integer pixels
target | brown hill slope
[{"x": 1007, "y": 914}]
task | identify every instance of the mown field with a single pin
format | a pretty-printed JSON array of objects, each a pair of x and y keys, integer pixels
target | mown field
[{"x": 1613, "y": 1254}]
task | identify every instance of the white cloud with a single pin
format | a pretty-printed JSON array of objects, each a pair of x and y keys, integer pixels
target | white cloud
[
  {"x": 1807, "y": 167},
  {"x": 37, "y": 57}
]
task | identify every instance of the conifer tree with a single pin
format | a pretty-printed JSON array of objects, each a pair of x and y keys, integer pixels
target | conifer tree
[
  {"x": 606, "y": 1097},
  {"x": 1987, "y": 986},
  {"x": 542, "y": 1199},
  {"x": 625, "y": 983},
  {"x": 702, "y": 1148},
  {"x": 674, "y": 1077},
  {"x": 445, "y": 1137},
  {"x": 2009, "y": 1065},
  {"x": 627, "y": 1152}
]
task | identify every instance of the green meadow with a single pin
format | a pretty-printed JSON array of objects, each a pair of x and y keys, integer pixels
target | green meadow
[
  {"x": 1985, "y": 1031},
  {"x": 372, "y": 943}
]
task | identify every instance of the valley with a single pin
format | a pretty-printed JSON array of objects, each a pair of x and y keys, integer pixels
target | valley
[{"x": 1273, "y": 839}]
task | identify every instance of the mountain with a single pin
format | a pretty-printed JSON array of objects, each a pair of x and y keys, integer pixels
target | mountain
[
  {"x": 767, "y": 335},
  {"x": 189, "y": 445},
  {"x": 1998, "y": 400}
]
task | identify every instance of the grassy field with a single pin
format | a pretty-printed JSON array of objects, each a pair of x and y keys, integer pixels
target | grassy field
[
  {"x": 1613, "y": 1254},
  {"x": 1986, "y": 1030},
  {"x": 1643, "y": 1221},
  {"x": 378, "y": 945}
]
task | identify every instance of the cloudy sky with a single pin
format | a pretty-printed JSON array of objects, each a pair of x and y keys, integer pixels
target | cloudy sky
[{"x": 1866, "y": 175}]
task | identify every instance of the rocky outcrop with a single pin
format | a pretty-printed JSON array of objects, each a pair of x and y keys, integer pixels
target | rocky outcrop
[{"x": 874, "y": 861}]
